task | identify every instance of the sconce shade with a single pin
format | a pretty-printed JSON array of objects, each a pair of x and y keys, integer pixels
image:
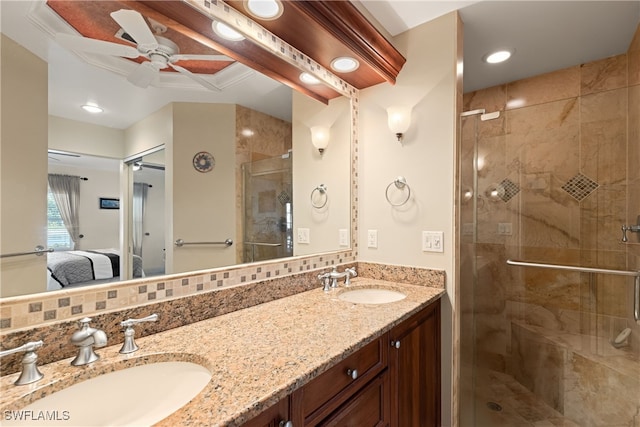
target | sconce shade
[
  {"x": 399, "y": 119},
  {"x": 320, "y": 137}
]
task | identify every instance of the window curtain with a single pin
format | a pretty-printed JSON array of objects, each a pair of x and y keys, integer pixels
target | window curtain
[
  {"x": 66, "y": 193},
  {"x": 140, "y": 191}
]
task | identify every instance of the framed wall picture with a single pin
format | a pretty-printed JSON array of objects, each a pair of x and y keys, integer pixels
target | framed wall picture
[{"x": 107, "y": 203}]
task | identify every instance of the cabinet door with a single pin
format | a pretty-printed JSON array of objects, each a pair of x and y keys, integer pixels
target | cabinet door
[
  {"x": 275, "y": 416},
  {"x": 367, "y": 408},
  {"x": 414, "y": 368}
]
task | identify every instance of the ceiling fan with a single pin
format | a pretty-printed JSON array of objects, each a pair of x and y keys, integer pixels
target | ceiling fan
[{"x": 160, "y": 51}]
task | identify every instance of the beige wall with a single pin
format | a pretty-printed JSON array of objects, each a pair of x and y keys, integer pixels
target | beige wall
[
  {"x": 203, "y": 203},
  {"x": 78, "y": 137},
  {"x": 150, "y": 132},
  {"x": 310, "y": 169},
  {"x": 23, "y": 168},
  {"x": 99, "y": 227},
  {"x": 426, "y": 158}
]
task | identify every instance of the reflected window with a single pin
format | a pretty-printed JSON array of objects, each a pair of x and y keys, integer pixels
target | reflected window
[{"x": 57, "y": 235}]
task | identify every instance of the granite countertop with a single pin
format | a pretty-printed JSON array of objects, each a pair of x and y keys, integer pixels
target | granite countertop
[{"x": 256, "y": 355}]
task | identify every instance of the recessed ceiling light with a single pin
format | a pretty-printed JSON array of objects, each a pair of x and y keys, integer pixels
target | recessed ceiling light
[
  {"x": 247, "y": 132},
  {"x": 309, "y": 79},
  {"x": 94, "y": 109},
  {"x": 226, "y": 32},
  {"x": 498, "y": 56},
  {"x": 264, "y": 9},
  {"x": 344, "y": 64}
]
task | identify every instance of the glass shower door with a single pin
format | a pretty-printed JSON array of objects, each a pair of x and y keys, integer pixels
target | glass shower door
[{"x": 268, "y": 209}]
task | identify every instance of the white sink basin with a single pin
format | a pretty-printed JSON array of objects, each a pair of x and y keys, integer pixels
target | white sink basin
[
  {"x": 140, "y": 396},
  {"x": 371, "y": 296}
]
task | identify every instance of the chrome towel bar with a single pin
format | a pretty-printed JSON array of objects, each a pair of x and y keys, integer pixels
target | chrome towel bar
[
  {"x": 573, "y": 268},
  {"x": 636, "y": 274},
  {"x": 179, "y": 243},
  {"x": 38, "y": 250}
]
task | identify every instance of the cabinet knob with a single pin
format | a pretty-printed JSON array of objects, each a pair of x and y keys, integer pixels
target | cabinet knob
[
  {"x": 353, "y": 373},
  {"x": 395, "y": 344},
  {"x": 285, "y": 424}
]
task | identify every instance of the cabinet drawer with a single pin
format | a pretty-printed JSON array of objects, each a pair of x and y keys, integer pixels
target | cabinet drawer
[
  {"x": 327, "y": 388},
  {"x": 368, "y": 408}
]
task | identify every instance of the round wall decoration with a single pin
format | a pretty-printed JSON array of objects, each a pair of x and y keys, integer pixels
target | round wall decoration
[{"x": 203, "y": 161}]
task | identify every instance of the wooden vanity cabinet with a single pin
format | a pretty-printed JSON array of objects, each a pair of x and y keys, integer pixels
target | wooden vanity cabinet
[
  {"x": 276, "y": 416},
  {"x": 414, "y": 370},
  {"x": 323, "y": 396},
  {"x": 397, "y": 383}
]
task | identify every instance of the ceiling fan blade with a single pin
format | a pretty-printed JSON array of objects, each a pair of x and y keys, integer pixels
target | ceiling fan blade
[
  {"x": 134, "y": 24},
  {"x": 85, "y": 44},
  {"x": 145, "y": 74},
  {"x": 194, "y": 77},
  {"x": 179, "y": 57}
]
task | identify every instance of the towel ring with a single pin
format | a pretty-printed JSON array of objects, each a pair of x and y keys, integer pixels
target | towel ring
[
  {"x": 400, "y": 183},
  {"x": 322, "y": 189}
]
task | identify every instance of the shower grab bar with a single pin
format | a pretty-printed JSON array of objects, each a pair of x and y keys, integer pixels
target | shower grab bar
[
  {"x": 179, "y": 243},
  {"x": 38, "y": 250},
  {"x": 636, "y": 274},
  {"x": 263, "y": 244}
]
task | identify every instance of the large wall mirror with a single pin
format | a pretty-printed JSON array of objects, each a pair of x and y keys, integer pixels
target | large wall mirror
[{"x": 175, "y": 168}]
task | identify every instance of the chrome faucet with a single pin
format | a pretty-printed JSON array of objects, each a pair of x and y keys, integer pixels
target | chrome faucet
[
  {"x": 86, "y": 338},
  {"x": 330, "y": 279},
  {"x": 129, "y": 345},
  {"x": 30, "y": 372}
]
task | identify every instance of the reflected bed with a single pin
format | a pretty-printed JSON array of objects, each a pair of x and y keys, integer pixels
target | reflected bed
[{"x": 81, "y": 268}]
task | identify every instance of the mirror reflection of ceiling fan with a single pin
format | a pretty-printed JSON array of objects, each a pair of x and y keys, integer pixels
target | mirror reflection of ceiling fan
[{"x": 160, "y": 51}]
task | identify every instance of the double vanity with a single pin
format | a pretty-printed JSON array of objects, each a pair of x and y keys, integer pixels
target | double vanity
[{"x": 310, "y": 359}]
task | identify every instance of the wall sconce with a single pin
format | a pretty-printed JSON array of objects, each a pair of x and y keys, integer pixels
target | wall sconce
[
  {"x": 399, "y": 119},
  {"x": 320, "y": 137}
]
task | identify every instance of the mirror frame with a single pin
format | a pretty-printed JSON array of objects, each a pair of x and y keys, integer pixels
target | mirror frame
[{"x": 27, "y": 311}]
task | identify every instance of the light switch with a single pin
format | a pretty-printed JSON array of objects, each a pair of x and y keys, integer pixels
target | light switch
[
  {"x": 343, "y": 237},
  {"x": 433, "y": 241},
  {"x": 372, "y": 238},
  {"x": 303, "y": 236}
]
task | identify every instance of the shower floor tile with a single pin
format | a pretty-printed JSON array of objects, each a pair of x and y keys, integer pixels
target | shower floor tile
[{"x": 503, "y": 401}]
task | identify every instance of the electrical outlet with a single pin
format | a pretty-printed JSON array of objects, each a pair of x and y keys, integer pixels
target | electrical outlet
[
  {"x": 504, "y": 228},
  {"x": 433, "y": 241},
  {"x": 303, "y": 236},
  {"x": 343, "y": 237},
  {"x": 372, "y": 238}
]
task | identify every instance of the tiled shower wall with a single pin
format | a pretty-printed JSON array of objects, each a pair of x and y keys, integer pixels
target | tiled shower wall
[{"x": 558, "y": 173}]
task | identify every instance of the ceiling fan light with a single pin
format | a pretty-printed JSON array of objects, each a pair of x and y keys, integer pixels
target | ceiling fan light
[
  {"x": 345, "y": 64},
  {"x": 264, "y": 9},
  {"x": 226, "y": 32},
  {"x": 309, "y": 79},
  {"x": 91, "y": 108}
]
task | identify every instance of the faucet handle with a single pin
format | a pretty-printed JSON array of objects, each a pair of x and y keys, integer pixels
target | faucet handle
[
  {"x": 84, "y": 322},
  {"x": 351, "y": 272},
  {"x": 130, "y": 322},
  {"x": 30, "y": 372},
  {"x": 129, "y": 345}
]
